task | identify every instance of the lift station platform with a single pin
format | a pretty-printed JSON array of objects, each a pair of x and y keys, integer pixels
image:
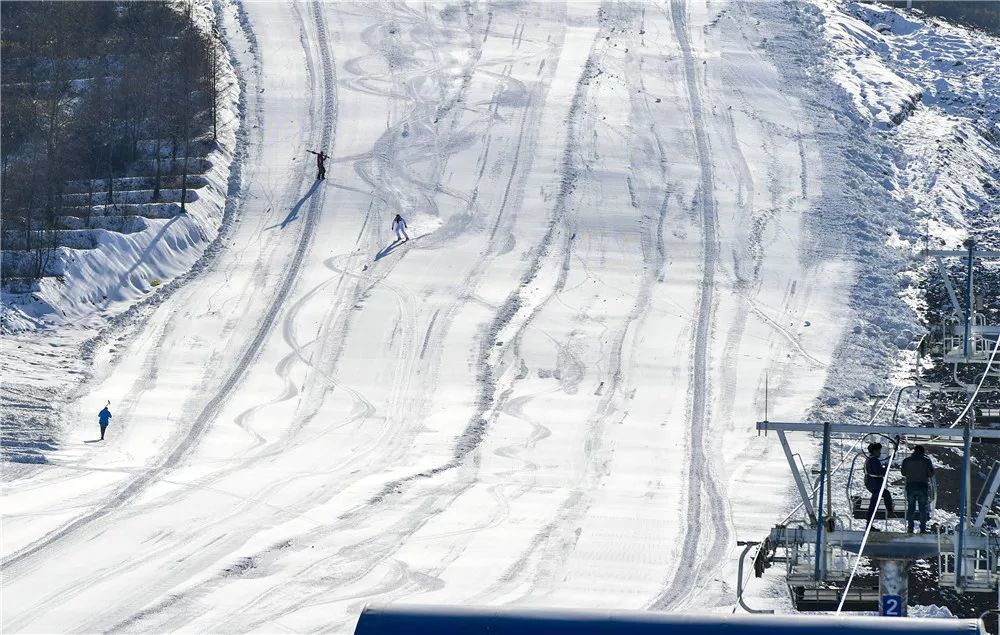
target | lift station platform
[
  {"x": 817, "y": 548},
  {"x": 818, "y": 545}
]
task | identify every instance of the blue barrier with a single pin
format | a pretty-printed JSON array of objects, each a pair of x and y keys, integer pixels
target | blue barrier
[{"x": 457, "y": 620}]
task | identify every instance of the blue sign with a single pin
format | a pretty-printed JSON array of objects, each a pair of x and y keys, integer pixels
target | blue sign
[{"x": 892, "y": 606}]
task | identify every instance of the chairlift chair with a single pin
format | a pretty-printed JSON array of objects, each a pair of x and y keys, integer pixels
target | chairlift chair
[
  {"x": 988, "y": 414},
  {"x": 811, "y": 595},
  {"x": 982, "y": 339},
  {"x": 981, "y": 571},
  {"x": 860, "y": 499},
  {"x": 826, "y": 597}
]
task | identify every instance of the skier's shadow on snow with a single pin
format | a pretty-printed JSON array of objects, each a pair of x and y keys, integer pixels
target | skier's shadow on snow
[
  {"x": 294, "y": 213},
  {"x": 388, "y": 249}
]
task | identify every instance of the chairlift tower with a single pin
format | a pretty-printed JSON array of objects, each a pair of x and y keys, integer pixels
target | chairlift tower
[
  {"x": 817, "y": 547},
  {"x": 966, "y": 335}
]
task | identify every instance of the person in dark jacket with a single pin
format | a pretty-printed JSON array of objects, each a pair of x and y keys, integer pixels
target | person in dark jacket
[
  {"x": 918, "y": 471},
  {"x": 874, "y": 475},
  {"x": 104, "y": 417},
  {"x": 320, "y": 165}
]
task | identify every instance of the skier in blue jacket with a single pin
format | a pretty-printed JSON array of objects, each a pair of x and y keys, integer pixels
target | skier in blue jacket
[{"x": 104, "y": 417}]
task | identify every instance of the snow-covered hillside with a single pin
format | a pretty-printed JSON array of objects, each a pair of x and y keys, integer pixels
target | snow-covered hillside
[
  {"x": 128, "y": 243},
  {"x": 626, "y": 218},
  {"x": 131, "y": 252}
]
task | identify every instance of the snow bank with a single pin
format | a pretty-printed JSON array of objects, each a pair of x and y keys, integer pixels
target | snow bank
[
  {"x": 97, "y": 279},
  {"x": 861, "y": 69},
  {"x": 925, "y": 93},
  {"x": 945, "y": 146},
  {"x": 942, "y": 96},
  {"x": 101, "y": 273}
]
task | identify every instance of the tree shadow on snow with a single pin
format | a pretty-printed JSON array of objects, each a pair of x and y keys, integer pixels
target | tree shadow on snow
[
  {"x": 148, "y": 250},
  {"x": 294, "y": 213}
]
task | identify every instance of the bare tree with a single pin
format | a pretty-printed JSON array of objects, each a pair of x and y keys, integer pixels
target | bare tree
[
  {"x": 192, "y": 73},
  {"x": 216, "y": 50}
]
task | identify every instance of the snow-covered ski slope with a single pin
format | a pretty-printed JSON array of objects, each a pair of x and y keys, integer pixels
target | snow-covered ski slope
[{"x": 547, "y": 397}]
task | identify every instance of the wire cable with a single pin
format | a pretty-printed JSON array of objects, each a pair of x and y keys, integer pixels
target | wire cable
[
  {"x": 868, "y": 529},
  {"x": 986, "y": 373}
]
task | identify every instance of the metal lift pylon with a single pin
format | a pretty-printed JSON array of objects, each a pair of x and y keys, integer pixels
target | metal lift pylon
[
  {"x": 966, "y": 337},
  {"x": 968, "y": 555}
]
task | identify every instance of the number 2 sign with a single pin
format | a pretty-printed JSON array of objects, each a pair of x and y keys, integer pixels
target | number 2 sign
[{"x": 892, "y": 606}]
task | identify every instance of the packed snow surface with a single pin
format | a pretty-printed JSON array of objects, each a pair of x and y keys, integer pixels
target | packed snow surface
[{"x": 620, "y": 221}]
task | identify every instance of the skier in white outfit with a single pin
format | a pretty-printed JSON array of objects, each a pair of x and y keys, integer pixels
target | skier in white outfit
[{"x": 399, "y": 226}]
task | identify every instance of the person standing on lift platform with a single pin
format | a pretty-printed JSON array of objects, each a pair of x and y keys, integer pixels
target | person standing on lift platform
[
  {"x": 874, "y": 475},
  {"x": 918, "y": 471}
]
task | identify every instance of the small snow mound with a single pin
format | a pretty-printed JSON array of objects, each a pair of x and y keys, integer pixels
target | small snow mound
[
  {"x": 931, "y": 610},
  {"x": 886, "y": 20}
]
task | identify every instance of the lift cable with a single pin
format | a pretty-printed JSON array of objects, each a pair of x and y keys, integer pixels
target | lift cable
[
  {"x": 982, "y": 380},
  {"x": 868, "y": 529}
]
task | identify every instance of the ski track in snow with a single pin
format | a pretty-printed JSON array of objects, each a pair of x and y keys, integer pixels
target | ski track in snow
[
  {"x": 395, "y": 488},
  {"x": 15, "y": 563},
  {"x": 700, "y": 477},
  {"x": 469, "y": 284},
  {"x": 211, "y": 409}
]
